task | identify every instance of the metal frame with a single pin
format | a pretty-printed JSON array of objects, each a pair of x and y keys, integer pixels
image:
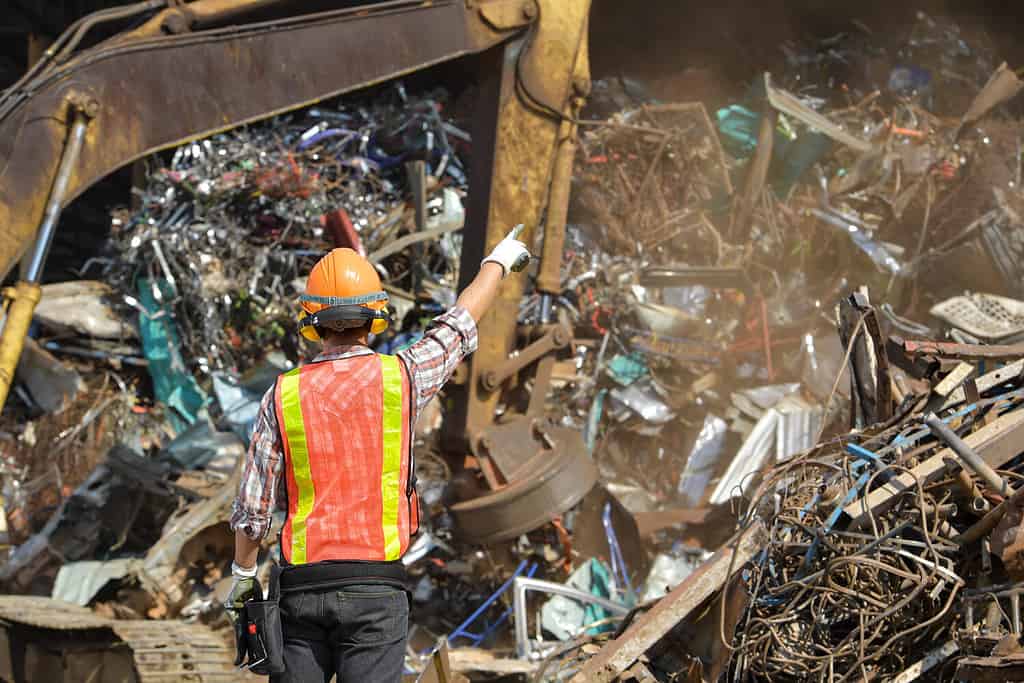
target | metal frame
[{"x": 524, "y": 649}]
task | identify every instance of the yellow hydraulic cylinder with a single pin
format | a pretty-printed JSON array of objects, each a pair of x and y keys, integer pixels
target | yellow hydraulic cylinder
[{"x": 23, "y": 298}]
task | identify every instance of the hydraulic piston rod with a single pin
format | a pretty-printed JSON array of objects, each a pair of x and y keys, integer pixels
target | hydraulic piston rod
[{"x": 25, "y": 294}]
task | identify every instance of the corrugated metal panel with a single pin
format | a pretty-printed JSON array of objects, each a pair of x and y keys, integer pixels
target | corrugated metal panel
[
  {"x": 788, "y": 428},
  {"x": 78, "y": 582},
  {"x": 797, "y": 428},
  {"x": 702, "y": 464},
  {"x": 751, "y": 457}
]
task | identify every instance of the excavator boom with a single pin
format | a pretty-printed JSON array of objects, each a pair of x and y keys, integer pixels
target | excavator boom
[{"x": 150, "y": 89}]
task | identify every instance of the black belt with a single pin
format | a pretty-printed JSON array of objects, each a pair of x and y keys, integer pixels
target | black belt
[{"x": 321, "y": 575}]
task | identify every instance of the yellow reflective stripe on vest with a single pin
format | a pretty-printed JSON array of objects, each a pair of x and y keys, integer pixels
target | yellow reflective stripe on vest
[
  {"x": 295, "y": 432},
  {"x": 391, "y": 471}
]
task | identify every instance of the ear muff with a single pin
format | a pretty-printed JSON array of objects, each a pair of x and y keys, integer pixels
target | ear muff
[
  {"x": 378, "y": 319},
  {"x": 306, "y": 330}
]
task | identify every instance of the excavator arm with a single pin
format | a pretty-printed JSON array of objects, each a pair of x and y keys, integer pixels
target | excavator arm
[{"x": 190, "y": 69}]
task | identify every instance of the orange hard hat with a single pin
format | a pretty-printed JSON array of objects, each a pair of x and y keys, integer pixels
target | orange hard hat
[{"x": 343, "y": 290}]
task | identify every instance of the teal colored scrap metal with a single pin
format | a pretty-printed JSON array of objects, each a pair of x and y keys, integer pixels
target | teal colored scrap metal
[{"x": 173, "y": 384}]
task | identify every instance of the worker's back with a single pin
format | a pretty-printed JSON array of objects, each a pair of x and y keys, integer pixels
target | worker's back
[{"x": 345, "y": 424}]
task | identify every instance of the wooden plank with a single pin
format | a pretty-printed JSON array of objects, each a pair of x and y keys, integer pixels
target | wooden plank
[
  {"x": 987, "y": 382},
  {"x": 955, "y": 379},
  {"x": 996, "y": 443},
  {"x": 647, "y": 630},
  {"x": 648, "y": 523},
  {"x": 469, "y": 660}
]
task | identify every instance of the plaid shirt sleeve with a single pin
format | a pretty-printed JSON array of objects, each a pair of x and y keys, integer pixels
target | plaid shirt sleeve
[
  {"x": 431, "y": 361},
  {"x": 253, "y": 510}
]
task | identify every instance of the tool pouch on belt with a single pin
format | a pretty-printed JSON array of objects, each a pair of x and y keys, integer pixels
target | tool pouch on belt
[{"x": 264, "y": 638}]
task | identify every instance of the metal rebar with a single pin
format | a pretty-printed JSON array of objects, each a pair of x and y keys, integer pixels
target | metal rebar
[
  {"x": 1015, "y": 612},
  {"x": 967, "y": 455}
]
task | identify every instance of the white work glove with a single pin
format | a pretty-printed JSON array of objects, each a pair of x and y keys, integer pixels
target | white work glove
[
  {"x": 244, "y": 587},
  {"x": 511, "y": 254}
]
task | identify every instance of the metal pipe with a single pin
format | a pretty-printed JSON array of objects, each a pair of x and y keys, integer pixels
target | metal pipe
[
  {"x": 103, "y": 16},
  {"x": 549, "y": 280},
  {"x": 978, "y": 502},
  {"x": 1015, "y": 612},
  {"x": 983, "y": 526},
  {"x": 416, "y": 172},
  {"x": 545, "y": 308},
  {"x": 980, "y": 505},
  {"x": 26, "y": 294},
  {"x": 942, "y": 432},
  {"x": 943, "y": 511}
]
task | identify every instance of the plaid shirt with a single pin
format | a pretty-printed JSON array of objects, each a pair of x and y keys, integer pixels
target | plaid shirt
[{"x": 429, "y": 362}]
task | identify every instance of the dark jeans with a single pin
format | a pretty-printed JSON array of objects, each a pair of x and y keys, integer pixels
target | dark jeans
[{"x": 357, "y": 632}]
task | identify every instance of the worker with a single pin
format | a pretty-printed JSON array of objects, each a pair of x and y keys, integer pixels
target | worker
[{"x": 333, "y": 441}]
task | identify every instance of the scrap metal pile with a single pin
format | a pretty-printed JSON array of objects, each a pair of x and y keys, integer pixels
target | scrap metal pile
[
  {"x": 703, "y": 257},
  {"x": 879, "y": 542},
  {"x": 230, "y": 226},
  {"x": 882, "y": 542}
]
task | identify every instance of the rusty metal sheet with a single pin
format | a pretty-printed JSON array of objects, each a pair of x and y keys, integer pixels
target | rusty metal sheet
[
  {"x": 914, "y": 348},
  {"x": 1002, "y": 86},
  {"x": 1008, "y": 539},
  {"x": 149, "y": 93},
  {"x": 991, "y": 669},
  {"x": 648, "y": 629},
  {"x": 43, "y": 612},
  {"x": 590, "y": 539},
  {"x": 650, "y": 522}
]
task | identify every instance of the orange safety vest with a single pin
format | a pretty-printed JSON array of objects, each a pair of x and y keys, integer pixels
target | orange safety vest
[{"x": 348, "y": 460}]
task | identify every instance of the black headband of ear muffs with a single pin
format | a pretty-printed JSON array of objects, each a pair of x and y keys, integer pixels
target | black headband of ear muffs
[{"x": 343, "y": 313}]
